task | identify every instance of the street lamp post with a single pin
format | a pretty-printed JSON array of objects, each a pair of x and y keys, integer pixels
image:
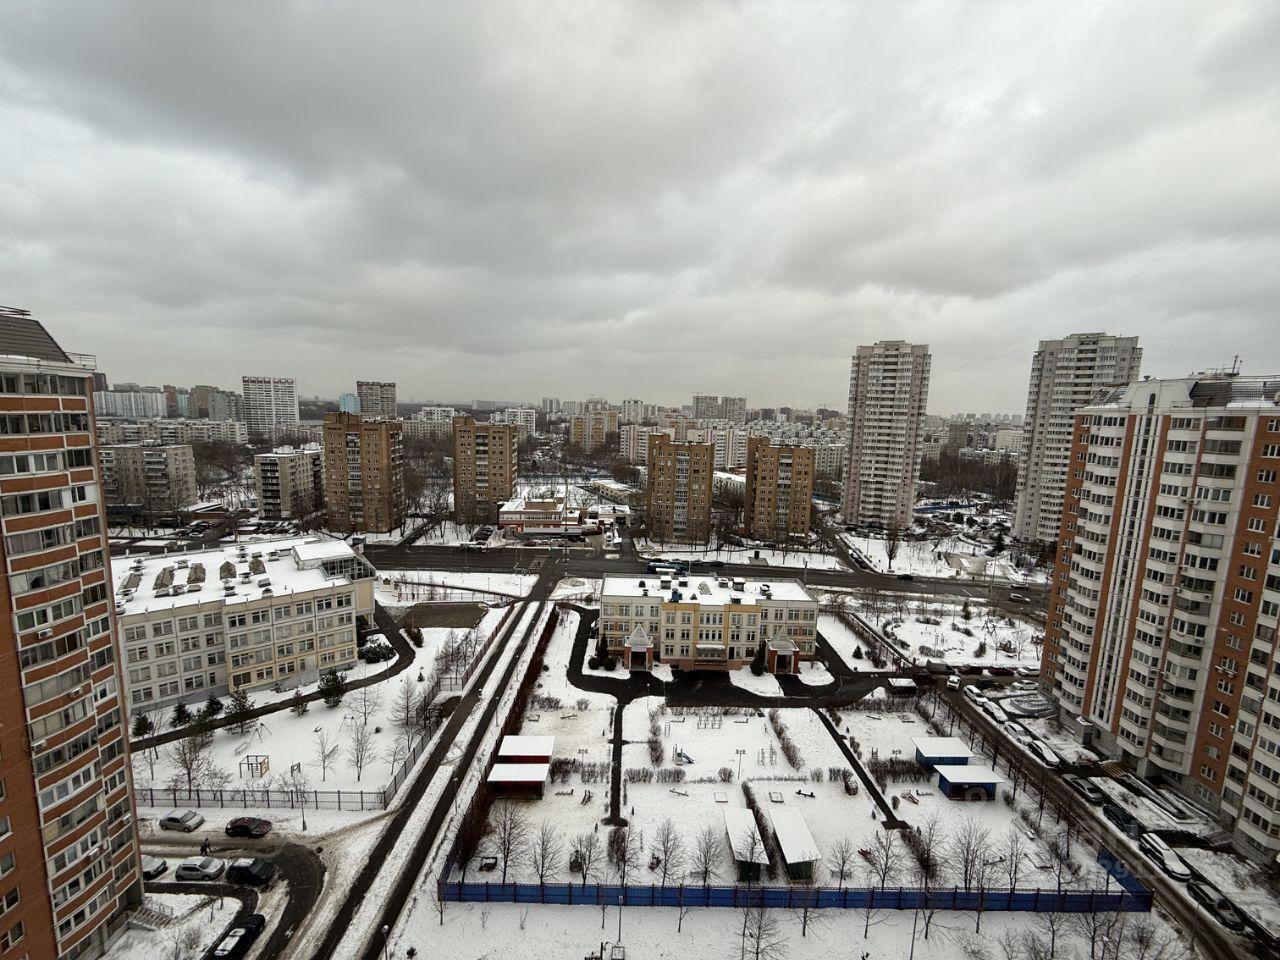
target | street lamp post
[
  {"x": 740, "y": 752},
  {"x": 385, "y": 942},
  {"x": 620, "y": 897}
]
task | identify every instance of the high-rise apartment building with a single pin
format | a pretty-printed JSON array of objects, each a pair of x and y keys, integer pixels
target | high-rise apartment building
[
  {"x": 733, "y": 408},
  {"x": 363, "y": 473},
  {"x": 348, "y": 403},
  {"x": 779, "y": 490},
  {"x": 484, "y": 468},
  {"x": 525, "y": 419},
  {"x": 112, "y": 431},
  {"x": 1161, "y": 642},
  {"x": 68, "y": 848},
  {"x": 706, "y": 406},
  {"x": 129, "y": 403},
  {"x": 678, "y": 490},
  {"x": 591, "y": 430},
  {"x": 632, "y": 411},
  {"x": 289, "y": 482},
  {"x": 269, "y": 402},
  {"x": 377, "y": 399},
  {"x": 888, "y": 390},
  {"x": 159, "y": 479},
  {"x": 1065, "y": 375}
]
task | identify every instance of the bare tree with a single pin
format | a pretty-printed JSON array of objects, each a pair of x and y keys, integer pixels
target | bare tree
[
  {"x": 708, "y": 852},
  {"x": 967, "y": 850},
  {"x": 670, "y": 849},
  {"x": 629, "y": 853},
  {"x": 360, "y": 749},
  {"x": 365, "y": 702},
  {"x": 187, "y": 756},
  {"x": 1145, "y": 941},
  {"x": 405, "y": 708},
  {"x": 544, "y": 851},
  {"x": 892, "y": 542},
  {"x": 324, "y": 750},
  {"x": 185, "y": 941},
  {"x": 886, "y": 857},
  {"x": 1014, "y": 850},
  {"x": 509, "y": 831},
  {"x": 843, "y": 856},
  {"x": 749, "y": 849},
  {"x": 1050, "y": 928},
  {"x": 762, "y": 935},
  {"x": 810, "y": 914},
  {"x": 587, "y": 848}
]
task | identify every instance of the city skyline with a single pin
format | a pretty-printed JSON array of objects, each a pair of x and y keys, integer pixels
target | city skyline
[{"x": 516, "y": 210}]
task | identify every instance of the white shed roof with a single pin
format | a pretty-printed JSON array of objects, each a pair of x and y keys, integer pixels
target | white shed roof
[
  {"x": 740, "y": 824},
  {"x": 942, "y": 747},
  {"x": 970, "y": 774},
  {"x": 797, "y": 843},
  {"x": 519, "y": 773},
  {"x": 526, "y": 746}
]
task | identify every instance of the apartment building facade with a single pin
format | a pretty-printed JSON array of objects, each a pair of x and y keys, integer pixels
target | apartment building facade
[
  {"x": 69, "y": 857},
  {"x": 242, "y": 616},
  {"x": 590, "y": 431},
  {"x": 289, "y": 482},
  {"x": 377, "y": 398},
  {"x": 158, "y": 478},
  {"x": 363, "y": 473},
  {"x": 778, "y": 496},
  {"x": 129, "y": 403},
  {"x": 678, "y": 488},
  {"x": 707, "y": 623},
  {"x": 1065, "y": 375},
  {"x": 111, "y": 431},
  {"x": 1162, "y": 635},
  {"x": 888, "y": 391},
  {"x": 524, "y": 419},
  {"x": 269, "y": 403},
  {"x": 484, "y": 468}
]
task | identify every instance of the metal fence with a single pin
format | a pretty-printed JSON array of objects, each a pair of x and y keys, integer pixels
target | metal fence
[
  {"x": 821, "y": 898},
  {"x": 269, "y": 799}
]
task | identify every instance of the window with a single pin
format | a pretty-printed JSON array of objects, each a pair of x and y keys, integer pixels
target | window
[{"x": 12, "y": 936}]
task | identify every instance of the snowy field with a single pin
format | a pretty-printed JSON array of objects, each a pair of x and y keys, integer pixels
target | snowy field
[
  {"x": 845, "y": 642},
  {"x": 997, "y": 640},
  {"x": 796, "y": 559},
  {"x": 947, "y": 559},
  {"x": 401, "y": 587}
]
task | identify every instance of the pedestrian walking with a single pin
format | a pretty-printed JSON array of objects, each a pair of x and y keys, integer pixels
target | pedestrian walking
[{"x": 204, "y": 847}]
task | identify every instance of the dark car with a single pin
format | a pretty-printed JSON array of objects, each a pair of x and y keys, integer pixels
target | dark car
[
  {"x": 716, "y": 564},
  {"x": 248, "y": 827},
  {"x": 1211, "y": 898},
  {"x": 253, "y": 871},
  {"x": 1123, "y": 819},
  {"x": 153, "y": 867},
  {"x": 235, "y": 943},
  {"x": 905, "y": 576}
]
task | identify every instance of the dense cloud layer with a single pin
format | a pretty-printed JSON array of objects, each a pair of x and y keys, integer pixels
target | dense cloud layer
[{"x": 652, "y": 200}]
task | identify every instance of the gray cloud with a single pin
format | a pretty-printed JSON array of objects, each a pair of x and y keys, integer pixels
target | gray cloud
[{"x": 636, "y": 199}]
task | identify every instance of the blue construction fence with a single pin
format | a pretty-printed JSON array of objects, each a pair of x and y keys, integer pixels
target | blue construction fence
[{"x": 821, "y": 898}]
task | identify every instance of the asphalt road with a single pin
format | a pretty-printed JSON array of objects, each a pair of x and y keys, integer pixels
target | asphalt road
[{"x": 583, "y": 563}]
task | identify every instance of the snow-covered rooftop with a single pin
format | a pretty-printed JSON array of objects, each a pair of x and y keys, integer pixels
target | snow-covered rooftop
[
  {"x": 942, "y": 747},
  {"x": 198, "y": 575},
  {"x": 797, "y": 843},
  {"x": 970, "y": 774},
  {"x": 704, "y": 589},
  {"x": 740, "y": 824},
  {"x": 519, "y": 773},
  {"x": 517, "y": 745}
]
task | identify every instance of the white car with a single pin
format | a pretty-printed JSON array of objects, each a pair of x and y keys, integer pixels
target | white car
[
  {"x": 183, "y": 820},
  {"x": 1040, "y": 750},
  {"x": 1163, "y": 856},
  {"x": 976, "y": 695},
  {"x": 953, "y": 683},
  {"x": 1023, "y": 686},
  {"x": 200, "y": 868},
  {"x": 995, "y": 711}
]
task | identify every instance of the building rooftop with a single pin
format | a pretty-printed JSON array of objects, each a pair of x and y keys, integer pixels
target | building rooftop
[
  {"x": 740, "y": 824},
  {"x": 24, "y": 336},
  {"x": 797, "y": 843},
  {"x": 146, "y": 584},
  {"x": 531, "y": 504},
  {"x": 969, "y": 773},
  {"x": 942, "y": 747},
  {"x": 526, "y": 746},
  {"x": 703, "y": 588},
  {"x": 519, "y": 773}
]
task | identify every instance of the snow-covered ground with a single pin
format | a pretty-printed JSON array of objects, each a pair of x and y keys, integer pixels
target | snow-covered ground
[
  {"x": 1239, "y": 881},
  {"x": 845, "y": 642},
  {"x": 576, "y": 588},
  {"x": 997, "y": 640},
  {"x": 949, "y": 558},
  {"x": 195, "y": 928},
  {"x": 797, "y": 559},
  {"x": 765, "y": 685},
  {"x": 402, "y": 587}
]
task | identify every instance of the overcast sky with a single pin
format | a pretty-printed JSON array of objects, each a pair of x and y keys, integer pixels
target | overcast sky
[{"x": 503, "y": 200}]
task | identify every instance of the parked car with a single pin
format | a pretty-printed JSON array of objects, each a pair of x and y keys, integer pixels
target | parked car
[
  {"x": 153, "y": 867},
  {"x": 200, "y": 868},
  {"x": 1023, "y": 686},
  {"x": 953, "y": 682},
  {"x": 1086, "y": 788},
  {"x": 1125, "y": 821},
  {"x": 1019, "y": 598},
  {"x": 974, "y": 694},
  {"x": 1014, "y": 728},
  {"x": 1162, "y": 855},
  {"x": 235, "y": 943},
  {"x": 1027, "y": 671},
  {"x": 995, "y": 712},
  {"x": 1211, "y": 898},
  {"x": 1042, "y": 752},
  {"x": 253, "y": 871},
  {"x": 248, "y": 827},
  {"x": 905, "y": 576},
  {"x": 182, "y": 820},
  {"x": 716, "y": 564}
]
